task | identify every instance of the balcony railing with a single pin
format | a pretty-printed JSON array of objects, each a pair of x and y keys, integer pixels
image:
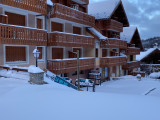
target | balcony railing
[
  {"x": 112, "y": 61},
  {"x": 39, "y": 6},
  {"x": 132, "y": 51},
  {"x": 69, "y": 40},
  {"x": 82, "y": 1},
  {"x": 59, "y": 66},
  {"x": 114, "y": 43},
  {"x": 70, "y": 14},
  {"x": 131, "y": 65},
  {"x": 12, "y": 34},
  {"x": 113, "y": 25}
]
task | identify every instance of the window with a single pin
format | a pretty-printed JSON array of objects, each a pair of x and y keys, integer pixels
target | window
[
  {"x": 131, "y": 57},
  {"x": 39, "y": 23},
  {"x": 41, "y": 56},
  {"x": 15, "y": 53},
  {"x": 104, "y": 52},
  {"x": 80, "y": 51},
  {"x": 96, "y": 52},
  {"x": 57, "y": 27},
  {"x": 15, "y": 19},
  {"x": 76, "y": 30},
  {"x": 57, "y": 53}
]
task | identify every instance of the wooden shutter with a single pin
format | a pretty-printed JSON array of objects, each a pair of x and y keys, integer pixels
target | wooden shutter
[
  {"x": 104, "y": 52},
  {"x": 57, "y": 27},
  {"x": 72, "y": 54},
  {"x": 14, "y": 53},
  {"x": 39, "y": 23},
  {"x": 57, "y": 53},
  {"x": 4, "y": 19},
  {"x": 15, "y": 19},
  {"x": 80, "y": 51},
  {"x": 76, "y": 30},
  {"x": 41, "y": 52}
]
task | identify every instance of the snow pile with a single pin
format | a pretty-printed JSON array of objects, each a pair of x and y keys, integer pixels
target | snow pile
[
  {"x": 14, "y": 74},
  {"x": 155, "y": 75},
  {"x": 34, "y": 69},
  {"x": 145, "y": 54}
]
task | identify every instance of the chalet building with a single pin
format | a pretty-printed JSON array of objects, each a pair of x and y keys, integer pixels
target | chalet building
[
  {"x": 67, "y": 23},
  {"x": 22, "y": 29},
  {"x": 150, "y": 60},
  {"x": 110, "y": 20},
  {"x": 134, "y": 46},
  {"x": 60, "y": 28}
]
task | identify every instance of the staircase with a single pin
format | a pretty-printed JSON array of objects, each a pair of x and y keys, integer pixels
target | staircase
[{"x": 60, "y": 80}]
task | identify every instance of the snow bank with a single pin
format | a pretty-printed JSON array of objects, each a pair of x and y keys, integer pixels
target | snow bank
[
  {"x": 34, "y": 69},
  {"x": 155, "y": 75},
  {"x": 14, "y": 74}
]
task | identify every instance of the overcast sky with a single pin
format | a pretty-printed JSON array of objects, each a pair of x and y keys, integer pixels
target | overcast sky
[{"x": 145, "y": 14}]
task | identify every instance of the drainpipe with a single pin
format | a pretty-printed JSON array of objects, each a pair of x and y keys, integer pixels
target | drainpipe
[{"x": 47, "y": 41}]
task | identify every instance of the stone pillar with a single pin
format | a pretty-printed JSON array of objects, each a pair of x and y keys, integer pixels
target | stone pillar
[{"x": 36, "y": 75}]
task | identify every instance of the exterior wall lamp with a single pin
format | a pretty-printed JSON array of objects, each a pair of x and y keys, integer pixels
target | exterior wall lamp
[{"x": 36, "y": 54}]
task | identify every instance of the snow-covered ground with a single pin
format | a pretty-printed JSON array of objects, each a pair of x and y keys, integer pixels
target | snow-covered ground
[
  {"x": 115, "y": 100},
  {"x": 130, "y": 85}
]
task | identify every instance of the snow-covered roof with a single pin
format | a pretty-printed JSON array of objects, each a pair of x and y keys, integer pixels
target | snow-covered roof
[
  {"x": 49, "y": 2},
  {"x": 128, "y": 33},
  {"x": 103, "y": 9},
  {"x": 98, "y": 34},
  {"x": 145, "y": 54}
]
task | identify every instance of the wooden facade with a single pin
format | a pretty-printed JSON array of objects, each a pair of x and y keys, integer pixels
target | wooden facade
[
  {"x": 70, "y": 65},
  {"x": 69, "y": 40},
  {"x": 17, "y": 35},
  {"x": 131, "y": 65},
  {"x": 112, "y": 61},
  {"x": 39, "y": 6},
  {"x": 70, "y": 14},
  {"x": 114, "y": 43},
  {"x": 132, "y": 51},
  {"x": 110, "y": 25}
]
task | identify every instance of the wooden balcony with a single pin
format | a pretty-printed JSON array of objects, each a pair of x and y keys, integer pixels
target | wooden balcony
[
  {"x": 112, "y": 61},
  {"x": 69, "y": 40},
  {"x": 131, "y": 65},
  {"x": 60, "y": 66},
  {"x": 39, "y": 6},
  {"x": 70, "y": 14},
  {"x": 113, "y": 25},
  {"x": 114, "y": 43},
  {"x": 12, "y": 34},
  {"x": 82, "y": 1},
  {"x": 133, "y": 51}
]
